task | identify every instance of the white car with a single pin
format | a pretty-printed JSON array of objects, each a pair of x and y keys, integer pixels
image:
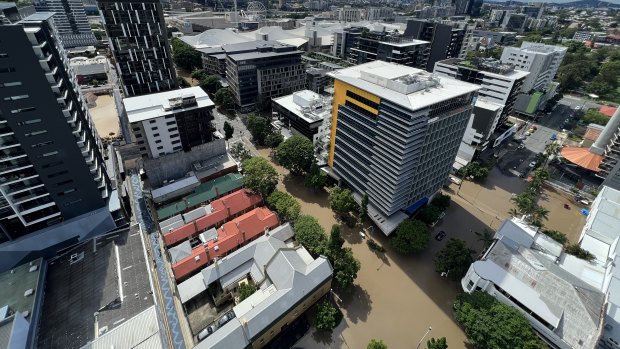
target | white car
[
  {"x": 578, "y": 108},
  {"x": 455, "y": 180},
  {"x": 532, "y": 164}
]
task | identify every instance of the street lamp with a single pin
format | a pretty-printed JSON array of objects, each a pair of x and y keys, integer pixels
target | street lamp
[{"x": 424, "y": 336}]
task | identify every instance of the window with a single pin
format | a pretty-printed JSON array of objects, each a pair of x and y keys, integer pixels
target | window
[
  {"x": 176, "y": 142},
  {"x": 158, "y": 141},
  {"x": 152, "y": 121},
  {"x": 136, "y": 128},
  {"x": 160, "y": 147},
  {"x": 470, "y": 284},
  {"x": 21, "y": 110},
  {"x": 155, "y": 134},
  {"x": 42, "y": 144},
  {"x": 171, "y": 123},
  {"x": 53, "y": 164},
  {"x": 154, "y": 128},
  {"x": 29, "y": 122},
  {"x": 15, "y": 98},
  {"x": 11, "y": 84},
  {"x": 173, "y": 129},
  {"x": 35, "y": 133},
  {"x": 67, "y": 192},
  {"x": 60, "y": 173},
  {"x": 47, "y": 154},
  {"x": 64, "y": 182}
]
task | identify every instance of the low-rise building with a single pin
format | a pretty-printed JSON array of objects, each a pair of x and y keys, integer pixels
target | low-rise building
[
  {"x": 288, "y": 279},
  {"x": 188, "y": 225},
  {"x": 306, "y": 113},
  {"x": 349, "y": 14},
  {"x": 379, "y": 14},
  {"x": 570, "y": 302},
  {"x": 481, "y": 126},
  {"x": 167, "y": 122},
  {"x": 217, "y": 243}
]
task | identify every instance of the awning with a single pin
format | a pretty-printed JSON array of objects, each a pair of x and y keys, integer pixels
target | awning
[{"x": 582, "y": 157}]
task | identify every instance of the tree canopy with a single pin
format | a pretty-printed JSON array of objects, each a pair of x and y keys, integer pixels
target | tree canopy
[
  {"x": 410, "y": 236},
  {"x": 287, "y": 207},
  {"x": 341, "y": 201},
  {"x": 260, "y": 176},
  {"x": 229, "y": 130},
  {"x": 454, "y": 259},
  {"x": 246, "y": 290},
  {"x": 296, "y": 154},
  {"x": 185, "y": 56},
  {"x": 376, "y": 344},
  {"x": 490, "y": 324},
  {"x": 429, "y": 214},
  {"x": 274, "y": 139},
  {"x": 557, "y": 236},
  {"x": 441, "y": 201},
  {"x": 239, "y": 152},
  {"x": 345, "y": 265},
  {"x": 435, "y": 343},
  {"x": 315, "y": 178},
  {"x": 225, "y": 98},
  {"x": 593, "y": 116},
  {"x": 327, "y": 316},
  {"x": 310, "y": 234},
  {"x": 579, "y": 252},
  {"x": 210, "y": 83},
  {"x": 259, "y": 128}
]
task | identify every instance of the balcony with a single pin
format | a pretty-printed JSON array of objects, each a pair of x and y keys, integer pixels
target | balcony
[
  {"x": 51, "y": 76},
  {"x": 9, "y": 142},
  {"x": 45, "y": 63},
  {"x": 7, "y": 167},
  {"x": 30, "y": 194},
  {"x": 42, "y": 215},
  {"x": 13, "y": 178},
  {"x": 35, "y": 204}
]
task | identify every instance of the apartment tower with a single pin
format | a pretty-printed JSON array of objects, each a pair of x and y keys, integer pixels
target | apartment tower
[
  {"x": 395, "y": 133},
  {"x": 70, "y": 20},
  {"x": 139, "y": 42},
  {"x": 51, "y": 167}
]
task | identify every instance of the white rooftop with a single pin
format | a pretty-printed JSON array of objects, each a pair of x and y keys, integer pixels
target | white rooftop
[
  {"x": 392, "y": 82},
  {"x": 306, "y": 104},
  {"x": 153, "y": 105},
  {"x": 407, "y": 43},
  {"x": 214, "y": 38}
]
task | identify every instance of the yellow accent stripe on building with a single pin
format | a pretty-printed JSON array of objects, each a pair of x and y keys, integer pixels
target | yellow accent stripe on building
[{"x": 340, "y": 97}]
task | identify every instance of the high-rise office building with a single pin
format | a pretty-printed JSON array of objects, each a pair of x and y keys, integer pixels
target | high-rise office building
[
  {"x": 70, "y": 20},
  {"x": 395, "y": 134},
  {"x": 51, "y": 167},
  {"x": 139, "y": 42},
  {"x": 448, "y": 39},
  {"x": 389, "y": 47}
]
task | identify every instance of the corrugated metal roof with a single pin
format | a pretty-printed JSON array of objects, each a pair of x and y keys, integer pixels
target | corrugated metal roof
[{"x": 139, "y": 332}]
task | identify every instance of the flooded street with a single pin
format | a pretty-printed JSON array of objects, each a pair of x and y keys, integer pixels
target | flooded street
[{"x": 395, "y": 297}]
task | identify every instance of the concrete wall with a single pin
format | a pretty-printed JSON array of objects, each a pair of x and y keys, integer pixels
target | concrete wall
[{"x": 177, "y": 165}]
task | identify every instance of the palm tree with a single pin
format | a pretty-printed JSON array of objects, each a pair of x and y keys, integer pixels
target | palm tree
[{"x": 486, "y": 237}]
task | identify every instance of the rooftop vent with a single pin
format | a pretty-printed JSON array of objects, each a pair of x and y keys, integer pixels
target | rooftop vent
[
  {"x": 33, "y": 268},
  {"x": 28, "y": 292}
]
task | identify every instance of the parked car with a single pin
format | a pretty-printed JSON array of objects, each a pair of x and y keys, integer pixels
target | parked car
[
  {"x": 440, "y": 235},
  {"x": 532, "y": 164},
  {"x": 521, "y": 146},
  {"x": 455, "y": 180},
  {"x": 554, "y": 137},
  {"x": 206, "y": 332},
  {"x": 443, "y": 214},
  {"x": 224, "y": 319}
]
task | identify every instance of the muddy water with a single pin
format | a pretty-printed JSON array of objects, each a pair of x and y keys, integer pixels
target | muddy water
[
  {"x": 396, "y": 298},
  {"x": 569, "y": 221}
]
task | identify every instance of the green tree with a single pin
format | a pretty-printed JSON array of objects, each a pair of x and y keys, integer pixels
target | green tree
[
  {"x": 410, "y": 236},
  {"x": 94, "y": 82},
  {"x": 376, "y": 344},
  {"x": 557, "y": 236},
  {"x": 345, "y": 265},
  {"x": 486, "y": 237},
  {"x": 327, "y": 316},
  {"x": 315, "y": 178},
  {"x": 490, "y": 324},
  {"x": 435, "y": 343},
  {"x": 239, "y": 152},
  {"x": 310, "y": 234},
  {"x": 441, "y": 201},
  {"x": 296, "y": 154},
  {"x": 429, "y": 214},
  {"x": 260, "y": 176},
  {"x": 363, "y": 210},
  {"x": 285, "y": 205},
  {"x": 336, "y": 241},
  {"x": 341, "y": 201},
  {"x": 454, "y": 259},
  {"x": 225, "y": 98},
  {"x": 182, "y": 82},
  {"x": 185, "y": 56},
  {"x": 274, "y": 139},
  {"x": 229, "y": 130},
  {"x": 199, "y": 74},
  {"x": 210, "y": 83},
  {"x": 579, "y": 252},
  {"x": 593, "y": 116},
  {"x": 259, "y": 128},
  {"x": 246, "y": 290}
]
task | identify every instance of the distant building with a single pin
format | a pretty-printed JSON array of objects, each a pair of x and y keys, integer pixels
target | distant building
[
  {"x": 288, "y": 279},
  {"x": 390, "y": 47},
  {"x": 71, "y": 21},
  {"x": 344, "y": 40},
  {"x": 534, "y": 11},
  {"x": 379, "y": 14},
  {"x": 497, "y": 38},
  {"x": 214, "y": 58},
  {"x": 397, "y": 131},
  {"x": 349, "y": 14},
  {"x": 138, "y": 38},
  {"x": 514, "y": 22},
  {"x": 306, "y": 113},
  {"x": 275, "y": 70},
  {"x": 447, "y": 39},
  {"x": 167, "y": 122},
  {"x": 10, "y": 12},
  {"x": 500, "y": 83},
  {"x": 54, "y": 182},
  {"x": 89, "y": 69},
  {"x": 317, "y": 80}
]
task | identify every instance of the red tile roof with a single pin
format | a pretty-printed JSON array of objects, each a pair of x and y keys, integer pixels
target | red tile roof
[
  {"x": 231, "y": 236},
  {"x": 223, "y": 209},
  {"x": 607, "y": 110}
]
